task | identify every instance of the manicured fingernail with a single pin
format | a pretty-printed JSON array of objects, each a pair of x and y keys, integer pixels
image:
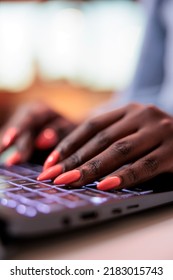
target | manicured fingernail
[
  {"x": 14, "y": 159},
  {"x": 46, "y": 139},
  {"x": 109, "y": 183},
  {"x": 9, "y": 136},
  {"x": 50, "y": 173},
  {"x": 68, "y": 177},
  {"x": 51, "y": 160}
]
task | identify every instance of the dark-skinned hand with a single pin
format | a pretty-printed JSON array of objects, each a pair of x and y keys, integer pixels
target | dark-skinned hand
[
  {"x": 125, "y": 147},
  {"x": 33, "y": 126}
]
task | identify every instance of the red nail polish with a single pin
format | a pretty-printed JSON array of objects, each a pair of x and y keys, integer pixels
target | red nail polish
[
  {"x": 68, "y": 177},
  {"x": 14, "y": 159},
  {"x": 109, "y": 183},
  {"x": 50, "y": 173},
  {"x": 46, "y": 139},
  {"x": 9, "y": 136},
  {"x": 51, "y": 160}
]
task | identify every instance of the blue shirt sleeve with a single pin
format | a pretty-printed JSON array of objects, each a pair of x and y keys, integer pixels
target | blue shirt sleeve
[{"x": 149, "y": 76}]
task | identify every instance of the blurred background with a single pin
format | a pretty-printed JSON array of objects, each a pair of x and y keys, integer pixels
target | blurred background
[{"x": 71, "y": 54}]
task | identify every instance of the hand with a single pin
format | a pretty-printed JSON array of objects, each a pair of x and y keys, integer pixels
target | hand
[
  {"x": 129, "y": 145},
  {"x": 33, "y": 126}
]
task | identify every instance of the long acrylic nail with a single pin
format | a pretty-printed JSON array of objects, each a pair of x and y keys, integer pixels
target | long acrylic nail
[
  {"x": 68, "y": 177},
  {"x": 14, "y": 159},
  {"x": 50, "y": 173},
  {"x": 9, "y": 136},
  {"x": 47, "y": 138},
  {"x": 51, "y": 160},
  {"x": 109, "y": 183}
]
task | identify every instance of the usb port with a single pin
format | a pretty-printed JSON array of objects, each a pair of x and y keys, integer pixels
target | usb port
[
  {"x": 116, "y": 211},
  {"x": 89, "y": 215},
  {"x": 133, "y": 206}
]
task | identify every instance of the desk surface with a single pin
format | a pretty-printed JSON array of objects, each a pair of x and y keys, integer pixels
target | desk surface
[{"x": 146, "y": 235}]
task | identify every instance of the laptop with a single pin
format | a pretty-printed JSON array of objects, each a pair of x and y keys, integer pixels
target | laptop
[{"x": 29, "y": 208}]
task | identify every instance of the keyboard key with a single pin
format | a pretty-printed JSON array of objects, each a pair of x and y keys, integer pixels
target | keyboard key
[
  {"x": 46, "y": 206},
  {"x": 19, "y": 170},
  {"x": 26, "y": 210},
  {"x": 35, "y": 186},
  {"x": 26, "y": 198},
  {"x": 34, "y": 178},
  {"x": 41, "y": 203},
  {"x": 71, "y": 204},
  {"x": 8, "y": 203},
  {"x": 130, "y": 191},
  {"x": 17, "y": 195},
  {"x": 51, "y": 191},
  {"x": 7, "y": 186},
  {"x": 5, "y": 172},
  {"x": 121, "y": 194},
  {"x": 65, "y": 187},
  {"x": 7, "y": 194},
  {"x": 142, "y": 190},
  {"x": 21, "y": 181},
  {"x": 66, "y": 199},
  {"x": 7, "y": 177},
  {"x": 71, "y": 197},
  {"x": 33, "y": 196},
  {"x": 95, "y": 197},
  {"x": 18, "y": 191}
]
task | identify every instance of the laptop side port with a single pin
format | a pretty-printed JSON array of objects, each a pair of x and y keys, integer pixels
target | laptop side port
[
  {"x": 89, "y": 215},
  {"x": 66, "y": 221},
  {"x": 116, "y": 211},
  {"x": 133, "y": 206}
]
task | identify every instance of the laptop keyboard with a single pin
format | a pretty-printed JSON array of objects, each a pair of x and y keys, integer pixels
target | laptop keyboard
[{"x": 20, "y": 190}]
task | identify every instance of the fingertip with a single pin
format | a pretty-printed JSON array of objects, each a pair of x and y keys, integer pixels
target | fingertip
[
  {"x": 14, "y": 159},
  {"x": 68, "y": 177},
  {"x": 46, "y": 139},
  {"x": 51, "y": 160},
  {"x": 109, "y": 183},
  {"x": 50, "y": 173},
  {"x": 9, "y": 136},
  {"x": 39, "y": 178}
]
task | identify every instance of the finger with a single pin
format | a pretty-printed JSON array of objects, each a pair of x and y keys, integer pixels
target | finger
[
  {"x": 119, "y": 153},
  {"x": 8, "y": 137},
  {"x": 52, "y": 133},
  {"x": 99, "y": 143},
  {"x": 87, "y": 130},
  {"x": 140, "y": 171},
  {"x": 46, "y": 139},
  {"x": 96, "y": 145},
  {"x": 23, "y": 151},
  {"x": 26, "y": 118},
  {"x": 81, "y": 135},
  {"x": 32, "y": 116}
]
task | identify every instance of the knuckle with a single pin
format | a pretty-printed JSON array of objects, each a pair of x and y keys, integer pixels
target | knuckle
[
  {"x": 133, "y": 106},
  {"x": 166, "y": 123},
  {"x": 132, "y": 175},
  {"x": 102, "y": 140},
  {"x": 150, "y": 165},
  {"x": 123, "y": 148},
  {"x": 151, "y": 111},
  {"x": 74, "y": 160},
  {"x": 66, "y": 147},
  {"x": 92, "y": 169},
  {"x": 90, "y": 125},
  {"x": 63, "y": 147}
]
